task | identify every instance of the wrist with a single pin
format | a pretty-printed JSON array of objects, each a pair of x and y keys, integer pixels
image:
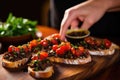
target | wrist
[
  {"x": 109, "y": 5},
  {"x": 104, "y": 4}
]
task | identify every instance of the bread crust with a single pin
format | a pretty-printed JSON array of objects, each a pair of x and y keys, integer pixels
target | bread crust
[
  {"x": 15, "y": 65},
  {"x": 104, "y": 52},
  {"x": 47, "y": 73},
  {"x": 76, "y": 61}
]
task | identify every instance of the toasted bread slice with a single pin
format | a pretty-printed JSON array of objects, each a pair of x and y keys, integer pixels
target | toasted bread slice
[
  {"x": 47, "y": 73},
  {"x": 76, "y": 61},
  {"x": 104, "y": 52},
  {"x": 15, "y": 65}
]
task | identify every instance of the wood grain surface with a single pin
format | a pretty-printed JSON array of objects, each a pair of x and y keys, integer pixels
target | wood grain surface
[
  {"x": 66, "y": 72},
  {"x": 72, "y": 72}
]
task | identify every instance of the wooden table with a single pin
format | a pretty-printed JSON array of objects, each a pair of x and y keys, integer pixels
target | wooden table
[
  {"x": 46, "y": 31},
  {"x": 111, "y": 73}
]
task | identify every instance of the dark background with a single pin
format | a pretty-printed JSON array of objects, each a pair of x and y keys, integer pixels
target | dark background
[{"x": 31, "y": 9}]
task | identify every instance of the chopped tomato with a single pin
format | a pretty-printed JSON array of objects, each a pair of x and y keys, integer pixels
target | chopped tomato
[
  {"x": 44, "y": 43},
  {"x": 54, "y": 47},
  {"x": 68, "y": 46},
  {"x": 78, "y": 51},
  {"x": 89, "y": 40},
  {"x": 43, "y": 55},
  {"x": 56, "y": 36},
  {"x": 92, "y": 43},
  {"x": 33, "y": 43},
  {"x": 17, "y": 49},
  {"x": 107, "y": 43},
  {"x": 10, "y": 48},
  {"x": 26, "y": 49},
  {"x": 65, "y": 46},
  {"x": 98, "y": 42},
  {"x": 35, "y": 57},
  {"x": 54, "y": 41},
  {"x": 30, "y": 47},
  {"x": 73, "y": 50},
  {"x": 81, "y": 49},
  {"x": 60, "y": 51}
]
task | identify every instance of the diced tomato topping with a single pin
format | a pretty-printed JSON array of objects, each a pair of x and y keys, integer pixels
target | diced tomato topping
[
  {"x": 33, "y": 43},
  {"x": 107, "y": 43},
  {"x": 78, "y": 52},
  {"x": 43, "y": 55},
  {"x": 26, "y": 49},
  {"x": 44, "y": 43},
  {"x": 56, "y": 36},
  {"x": 54, "y": 41},
  {"x": 68, "y": 46},
  {"x": 54, "y": 47},
  {"x": 64, "y": 47},
  {"x": 35, "y": 57},
  {"x": 89, "y": 40},
  {"x": 73, "y": 50},
  {"x": 10, "y": 48},
  {"x": 92, "y": 43},
  {"x": 30, "y": 47},
  {"x": 60, "y": 51},
  {"x": 98, "y": 42},
  {"x": 17, "y": 49},
  {"x": 81, "y": 49}
]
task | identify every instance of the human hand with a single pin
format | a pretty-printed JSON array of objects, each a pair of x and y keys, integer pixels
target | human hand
[{"x": 88, "y": 13}]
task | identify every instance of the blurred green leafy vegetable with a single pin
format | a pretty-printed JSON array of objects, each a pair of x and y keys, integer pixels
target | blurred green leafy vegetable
[{"x": 16, "y": 26}]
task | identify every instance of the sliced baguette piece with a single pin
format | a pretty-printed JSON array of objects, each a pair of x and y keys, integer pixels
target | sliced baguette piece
[
  {"x": 47, "y": 73},
  {"x": 104, "y": 52},
  {"x": 76, "y": 61},
  {"x": 15, "y": 65}
]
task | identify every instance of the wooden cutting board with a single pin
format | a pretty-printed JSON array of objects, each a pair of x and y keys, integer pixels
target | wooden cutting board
[{"x": 67, "y": 72}]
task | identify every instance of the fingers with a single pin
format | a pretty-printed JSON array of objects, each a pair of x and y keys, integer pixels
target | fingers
[
  {"x": 74, "y": 24},
  {"x": 62, "y": 32},
  {"x": 86, "y": 24},
  {"x": 66, "y": 22},
  {"x": 64, "y": 26}
]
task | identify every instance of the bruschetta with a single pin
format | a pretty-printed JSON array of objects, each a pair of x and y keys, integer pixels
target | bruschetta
[
  {"x": 40, "y": 66},
  {"x": 101, "y": 47},
  {"x": 16, "y": 57},
  {"x": 69, "y": 54}
]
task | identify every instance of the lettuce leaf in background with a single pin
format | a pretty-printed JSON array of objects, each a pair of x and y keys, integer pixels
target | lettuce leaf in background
[{"x": 16, "y": 26}]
